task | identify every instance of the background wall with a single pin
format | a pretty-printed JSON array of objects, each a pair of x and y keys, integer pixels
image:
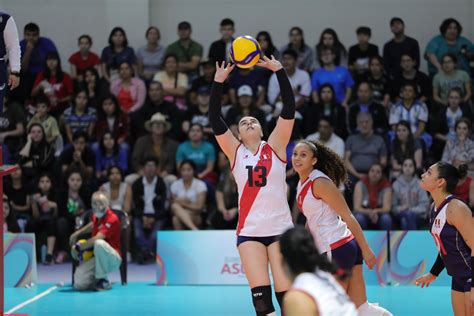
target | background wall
[{"x": 65, "y": 20}]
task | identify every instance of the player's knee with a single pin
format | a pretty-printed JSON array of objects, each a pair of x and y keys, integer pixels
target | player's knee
[
  {"x": 99, "y": 243},
  {"x": 262, "y": 300}
]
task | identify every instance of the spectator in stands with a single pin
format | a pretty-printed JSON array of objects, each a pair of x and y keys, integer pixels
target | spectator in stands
[
  {"x": 373, "y": 200},
  {"x": 327, "y": 137},
  {"x": 10, "y": 223},
  {"x": 45, "y": 212},
  {"x": 150, "y": 57},
  {"x": 149, "y": 213},
  {"x": 79, "y": 156},
  {"x": 399, "y": 45},
  {"x": 299, "y": 79},
  {"x": 465, "y": 188},
  {"x": 188, "y": 198},
  {"x": 248, "y": 77},
  {"x": 16, "y": 188},
  {"x": 444, "y": 121},
  {"x": 365, "y": 103},
  {"x": 187, "y": 51},
  {"x": 208, "y": 68},
  {"x": 37, "y": 156},
  {"x": 55, "y": 84},
  {"x": 129, "y": 90},
  {"x": 450, "y": 77},
  {"x": 49, "y": 123},
  {"x": 156, "y": 144},
  {"x": 97, "y": 88},
  {"x": 410, "y": 73},
  {"x": 12, "y": 129},
  {"x": 156, "y": 103},
  {"x": 329, "y": 38},
  {"x": 174, "y": 83},
  {"x": 337, "y": 76},
  {"x": 410, "y": 203},
  {"x": 449, "y": 41},
  {"x": 116, "y": 53},
  {"x": 414, "y": 112},
  {"x": 326, "y": 105},
  {"x": 227, "y": 202},
  {"x": 83, "y": 59},
  {"x": 79, "y": 117},
  {"x": 34, "y": 50},
  {"x": 109, "y": 153},
  {"x": 305, "y": 59},
  {"x": 245, "y": 107},
  {"x": 74, "y": 203},
  {"x": 364, "y": 149},
  {"x": 112, "y": 119},
  {"x": 403, "y": 147},
  {"x": 379, "y": 82},
  {"x": 266, "y": 44},
  {"x": 218, "y": 51},
  {"x": 200, "y": 114},
  {"x": 200, "y": 152},
  {"x": 461, "y": 150},
  {"x": 360, "y": 53}
]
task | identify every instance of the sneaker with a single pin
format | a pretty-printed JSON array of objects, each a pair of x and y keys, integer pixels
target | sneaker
[
  {"x": 48, "y": 259},
  {"x": 61, "y": 256},
  {"x": 103, "y": 285}
]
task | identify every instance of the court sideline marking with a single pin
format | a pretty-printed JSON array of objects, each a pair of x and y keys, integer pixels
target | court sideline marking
[{"x": 33, "y": 299}]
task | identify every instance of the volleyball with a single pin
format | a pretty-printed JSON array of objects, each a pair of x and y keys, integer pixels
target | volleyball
[
  {"x": 245, "y": 51},
  {"x": 85, "y": 255}
]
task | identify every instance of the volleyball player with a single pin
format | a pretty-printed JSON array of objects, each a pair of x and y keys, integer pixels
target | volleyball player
[
  {"x": 452, "y": 228},
  {"x": 259, "y": 170},
  {"x": 335, "y": 230}
]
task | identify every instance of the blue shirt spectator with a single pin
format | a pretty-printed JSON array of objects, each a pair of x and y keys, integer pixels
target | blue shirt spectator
[
  {"x": 38, "y": 46},
  {"x": 109, "y": 153}
]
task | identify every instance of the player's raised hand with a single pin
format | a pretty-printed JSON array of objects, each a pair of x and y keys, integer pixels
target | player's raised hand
[
  {"x": 272, "y": 64},
  {"x": 222, "y": 71},
  {"x": 425, "y": 280}
]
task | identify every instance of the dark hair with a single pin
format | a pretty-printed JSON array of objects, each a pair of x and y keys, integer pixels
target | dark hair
[
  {"x": 115, "y": 149},
  {"x": 129, "y": 66},
  {"x": 170, "y": 55},
  {"x": 115, "y": 30},
  {"x": 450, "y": 55},
  {"x": 42, "y": 141},
  {"x": 41, "y": 98},
  {"x": 376, "y": 57},
  {"x": 80, "y": 134},
  {"x": 31, "y": 27},
  {"x": 339, "y": 49},
  {"x": 462, "y": 169},
  {"x": 327, "y": 85},
  {"x": 328, "y": 162},
  {"x": 50, "y": 194},
  {"x": 97, "y": 87},
  {"x": 299, "y": 30},
  {"x": 88, "y": 37},
  {"x": 227, "y": 22},
  {"x": 327, "y": 119},
  {"x": 299, "y": 251},
  {"x": 408, "y": 84},
  {"x": 59, "y": 71},
  {"x": 464, "y": 120},
  {"x": 184, "y": 25},
  {"x": 114, "y": 100},
  {"x": 150, "y": 159},
  {"x": 364, "y": 82},
  {"x": 443, "y": 28},
  {"x": 271, "y": 47},
  {"x": 111, "y": 168},
  {"x": 197, "y": 124},
  {"x": 290, "y": 52},
  {"x": 456, "y": 89},
  {"x": 69, "y": 171},
  {"x": 153, "y": 28},
  {"x": 398, "y": 153},
  {"x": 413, "y": 161},
  {"x": 396, "y": 19},
  {"x": 364, "y": 30},
  {"x": 78, "y": 91},
  {"x": 189, "y": 162},
  {"x": 450, "y": 174}
]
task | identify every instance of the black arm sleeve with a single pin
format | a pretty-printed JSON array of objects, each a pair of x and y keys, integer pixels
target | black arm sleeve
[
  {"x": 215, "y": 118},
  {"x": 438, "y": 266},
  {"x": 287, "y": 95}
]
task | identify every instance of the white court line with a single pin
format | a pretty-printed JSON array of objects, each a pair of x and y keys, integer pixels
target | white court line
[{"x": 31, "y": 300}]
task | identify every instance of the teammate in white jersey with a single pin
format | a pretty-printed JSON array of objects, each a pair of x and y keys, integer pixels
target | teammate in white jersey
[
  {"x": 314, "y": 291},
  {"x": 259, "y": 170},
  {"x": 335, "y": 230},
  {"x": 452, "y": 228}
]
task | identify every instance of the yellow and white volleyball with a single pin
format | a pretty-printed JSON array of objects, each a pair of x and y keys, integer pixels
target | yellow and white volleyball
[
  {"x": 245, "y": 51},
  {"x": 85, "y": 255}
]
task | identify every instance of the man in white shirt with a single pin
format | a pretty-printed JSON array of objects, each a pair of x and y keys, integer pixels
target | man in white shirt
[{"x": 326, "y": 136}]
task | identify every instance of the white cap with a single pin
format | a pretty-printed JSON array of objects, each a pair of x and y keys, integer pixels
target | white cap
[{"x": 245, "y": 90}]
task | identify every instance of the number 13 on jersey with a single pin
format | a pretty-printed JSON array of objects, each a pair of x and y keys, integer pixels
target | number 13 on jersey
[{"x": 257, "y": 176}]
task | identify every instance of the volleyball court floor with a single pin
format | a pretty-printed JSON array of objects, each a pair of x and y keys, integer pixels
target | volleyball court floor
[{"x": 140, "y": 297}]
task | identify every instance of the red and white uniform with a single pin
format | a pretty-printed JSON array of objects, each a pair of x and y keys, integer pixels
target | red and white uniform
[
  {"x": 328, "y": 229},
  {"x": 329, "y": 297},
  {"x": 263, "y": 207}
]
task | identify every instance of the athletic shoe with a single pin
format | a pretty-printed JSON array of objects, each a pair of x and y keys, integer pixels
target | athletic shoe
[
  {"x": 48, "y": 260},
  {"x": 103, "y": 285}
]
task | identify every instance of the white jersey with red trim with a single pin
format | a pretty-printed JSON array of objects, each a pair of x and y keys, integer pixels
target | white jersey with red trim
[
  {"x": 263, "y": 207},
  {"x": 328, "y": 229},
  {"x": 329, "y": 297}
]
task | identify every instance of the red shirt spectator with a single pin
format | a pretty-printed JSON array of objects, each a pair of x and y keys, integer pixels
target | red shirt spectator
[
  {"x": 82, "y": 63},
  {"x": 109, "y": 225}
]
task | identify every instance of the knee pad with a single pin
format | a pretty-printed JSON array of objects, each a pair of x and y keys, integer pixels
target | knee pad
[
  {"x": 370, "y": 309},
  {"x": 262, "y": 300},
  {"x": 279, "y": 296}
]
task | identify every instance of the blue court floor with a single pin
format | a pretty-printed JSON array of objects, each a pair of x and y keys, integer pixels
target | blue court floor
[{"x": 150, "y": 299}]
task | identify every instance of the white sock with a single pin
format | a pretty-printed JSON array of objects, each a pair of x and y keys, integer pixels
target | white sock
[
  {"x": 369, "y": 309},
  {"x": 272, "y": 314}
]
